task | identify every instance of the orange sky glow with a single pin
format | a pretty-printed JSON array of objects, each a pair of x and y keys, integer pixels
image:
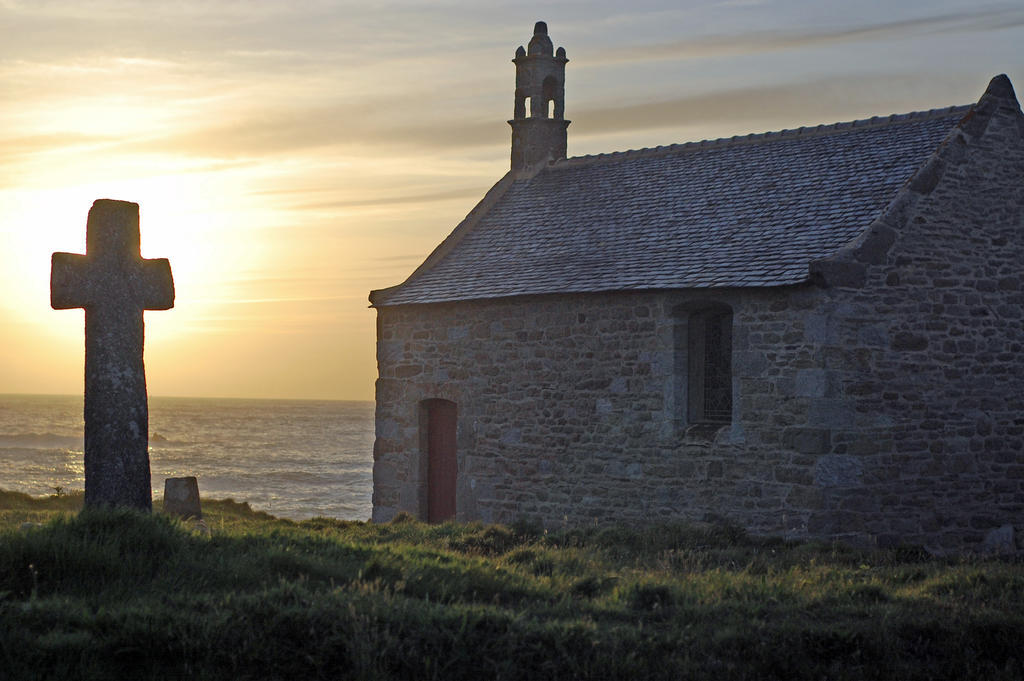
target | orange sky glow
[{"x": 290, "y": 157}]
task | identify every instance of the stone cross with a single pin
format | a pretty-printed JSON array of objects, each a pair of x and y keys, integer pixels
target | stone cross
[{"x": 114, "y": 284}]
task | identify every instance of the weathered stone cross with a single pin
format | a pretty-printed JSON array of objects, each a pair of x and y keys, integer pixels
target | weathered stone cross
[{"x": 114, "y": 284}]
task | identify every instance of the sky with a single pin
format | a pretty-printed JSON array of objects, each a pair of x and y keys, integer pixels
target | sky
[{"x": 288, "y": 157}]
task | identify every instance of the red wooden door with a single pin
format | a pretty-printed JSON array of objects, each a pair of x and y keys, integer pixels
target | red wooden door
[{"x": 441, "y": 464}]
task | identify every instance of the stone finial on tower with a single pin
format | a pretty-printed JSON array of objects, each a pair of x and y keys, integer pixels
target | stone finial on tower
[{"x": 538, "y": 121}]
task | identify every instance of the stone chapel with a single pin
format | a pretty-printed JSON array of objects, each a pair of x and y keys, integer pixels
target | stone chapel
[{"x": 814, "y": 333}]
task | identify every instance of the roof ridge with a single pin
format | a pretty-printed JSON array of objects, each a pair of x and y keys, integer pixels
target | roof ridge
[{"x": 755, "y": 138}]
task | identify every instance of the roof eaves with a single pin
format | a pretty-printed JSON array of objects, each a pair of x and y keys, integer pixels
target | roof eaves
[{"x": 526, "y": 292}]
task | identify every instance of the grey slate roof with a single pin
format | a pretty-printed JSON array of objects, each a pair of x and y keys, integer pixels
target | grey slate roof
[{"x": 745, "y": 211}]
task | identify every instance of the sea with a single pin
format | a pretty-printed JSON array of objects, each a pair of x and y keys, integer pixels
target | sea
[{"x": 294, "y": 459}]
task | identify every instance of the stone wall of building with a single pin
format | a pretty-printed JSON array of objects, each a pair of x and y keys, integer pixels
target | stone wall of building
[{"x": 882, "y": 403}]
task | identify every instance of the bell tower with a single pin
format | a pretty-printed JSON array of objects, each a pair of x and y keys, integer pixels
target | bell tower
[{"x": 538, "y": 121}]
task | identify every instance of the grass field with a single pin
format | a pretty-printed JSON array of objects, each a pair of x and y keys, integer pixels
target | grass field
[{"x": 249, "y": 596}]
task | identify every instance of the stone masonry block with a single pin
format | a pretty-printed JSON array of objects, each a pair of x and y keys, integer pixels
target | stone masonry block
[
  {"x": 1000, "y": 541},
  {"x": 807, "y": 440},
  {"x": 835, "y": 470},
  {"x": 831, "y": 413},
  {"x": 840, "y": 273},
  {"x": 816, "y": 329},
  {"x": 811, "y": 383}
]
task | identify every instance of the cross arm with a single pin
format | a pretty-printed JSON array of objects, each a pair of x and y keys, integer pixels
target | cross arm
[
  {"x": 78, "y": 281},
  {"x": 69, "y": 281},
  {"x": 155, "y": 285}
]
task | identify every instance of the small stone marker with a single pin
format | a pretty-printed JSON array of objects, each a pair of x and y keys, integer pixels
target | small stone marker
[
  {"x": 114, "y": 284},
  {"x": 181, "y": 497},
  {"x": 1000, "y": 541}
]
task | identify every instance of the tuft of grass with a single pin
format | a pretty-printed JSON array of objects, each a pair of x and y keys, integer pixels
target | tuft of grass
[{"x": 117, "y": 594}]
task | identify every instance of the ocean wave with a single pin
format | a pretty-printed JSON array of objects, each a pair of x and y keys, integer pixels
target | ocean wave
[
  {"x": 74, "y": 442},
  {"x": 157, "y": 439},
  {"x": 41, "y": 441},
  {"x": 290, "y": 478}
]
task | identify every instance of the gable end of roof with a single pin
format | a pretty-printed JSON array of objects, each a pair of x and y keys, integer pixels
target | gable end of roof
[{"x": 847, "y": 266}]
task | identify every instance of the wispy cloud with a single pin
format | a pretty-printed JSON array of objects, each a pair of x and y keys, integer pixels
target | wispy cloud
[
  {"x": 282, "y": 35},
  {"x": 432, "y": 197},
  {"x": 21, "y": 148},
  {"x": 818, "y": 101},
  {"x": 279, "y": 301},
  {"x": 993, "y": 19},
  {"x": 399, "y": 258},
  {"x": 274, "y": 132}
]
